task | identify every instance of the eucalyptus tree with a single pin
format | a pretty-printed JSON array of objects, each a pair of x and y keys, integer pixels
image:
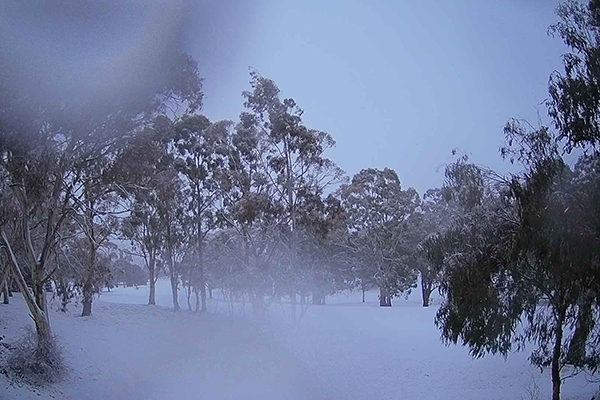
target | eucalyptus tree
[
  {"x": 175, "y": 226},
  {"x": 95, "y": 214},
  {"x": 201, "y": 159},
  {"x": 521, "y": 266},
  {"x": 293, "y": 157},
  {"x": 47, "y": 144},
  {"x": 140, "y": 166},
  {"x": 253, "y": 210},
  {"x": 574, "y": 102},
  {"x": 323, "y": 232},
  {"x": 378, "y": 210},
  {"x": 437, "y": 213}
]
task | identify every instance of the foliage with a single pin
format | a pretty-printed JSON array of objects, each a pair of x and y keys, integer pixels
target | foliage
[
  {"x": 378, "y": 213},
  {"x": 34, "y": 362},
  {"x": 522, "y": 265},
  {"x": 575, "y": 94}
]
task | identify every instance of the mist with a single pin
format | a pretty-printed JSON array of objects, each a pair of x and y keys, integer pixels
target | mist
[{"x": 316, "y": 200}]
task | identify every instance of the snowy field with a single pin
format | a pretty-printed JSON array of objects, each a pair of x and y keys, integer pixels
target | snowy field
[{"x": 343, "y": 350}]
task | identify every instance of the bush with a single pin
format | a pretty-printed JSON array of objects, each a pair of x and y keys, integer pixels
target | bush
[{"x": 34, "y": 362}]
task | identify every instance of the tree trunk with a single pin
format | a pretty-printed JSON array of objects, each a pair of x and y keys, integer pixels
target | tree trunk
[
  {"x": 202, "y": 289},
  {"x": 39, "y": 292},
  {"x": 63, "y": 291},
  {"x": 556, "y": 361},
  {"x": 197, "y": 293},
  {"x": 39, "y": 315},
  {"x": 172, "y": 273},
  {"x": 425, "y": 289},
  {"x": 88, "y": 295},
  {"x": 210, "y": 295},
  {"x": 4, "y": 281},
  {"x": 362, "y": 287},
  {"x": 174, "y": 291},
  {"x": 201, "y": 277},
  {"x": 384, "y": 299},
  {"x": 151, "y": 271},
  {"x": 88, "y": 287},
  {"x": 188, "y": 295}
]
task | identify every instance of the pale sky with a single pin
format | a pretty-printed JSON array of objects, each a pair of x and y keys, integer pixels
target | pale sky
[{"x": 397, "y": 83}]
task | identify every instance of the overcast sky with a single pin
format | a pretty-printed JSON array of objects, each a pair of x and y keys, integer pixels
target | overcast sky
[{"x": 398, "y": 84}]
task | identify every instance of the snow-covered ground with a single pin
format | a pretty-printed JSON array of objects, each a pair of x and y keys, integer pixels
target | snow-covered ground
[{"x": 343, "y": 350}]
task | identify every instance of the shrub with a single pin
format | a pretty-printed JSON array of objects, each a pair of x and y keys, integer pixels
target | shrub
[{"x": 36, "y": 362}]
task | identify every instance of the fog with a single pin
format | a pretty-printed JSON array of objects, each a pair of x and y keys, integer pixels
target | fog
[{"x": 283, "y": 200}]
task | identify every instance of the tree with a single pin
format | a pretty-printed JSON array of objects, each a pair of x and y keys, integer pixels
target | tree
[
  {"x": 139, "y": 167},
  {"x": 97, "y": 224},
  {"x": 521, "y": 266},
  {"x": 292, "y": 160},
  {"x": 323, "y": 231},
  {"x": 201, "y": 159},
  {"x": 253, "y": 211},
  {"x": 47, "y": 143},
  {"x": 76, "y": 275},
  {"x": 574, "y": 102},
  {"x": 378, "y": 210},
  {"x": 175, "y": 226},
  {"x": 125, "y": 271},
  {"x": 437, "y": 212}
]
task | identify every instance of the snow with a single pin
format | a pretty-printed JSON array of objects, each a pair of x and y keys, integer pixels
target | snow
[{"x": 343, "y": 350}]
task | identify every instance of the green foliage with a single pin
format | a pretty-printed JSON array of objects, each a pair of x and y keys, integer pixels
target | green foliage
[
  {"x": 521, "y": 265},
  {"x": 574, "y": 102}
]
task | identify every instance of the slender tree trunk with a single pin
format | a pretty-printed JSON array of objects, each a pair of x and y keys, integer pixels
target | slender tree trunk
[
  {"x": 9, "y": 285},
  {"x": 210, "y": 294},
  {"x": 5, "y": 280},
  {"x": 172, "y": 273},
  {"x": 63, "y": 289},
  {"x": 37, "y": 276},
  {"x": 364, "y": 289},
  {"x": 88, "y": 287},
  {"x": 384, "y": 299},
  {"x": 152, "y": 272},
  {"x": 202, "y": 289},
  {"x": 39, "y": 315},
  {"x": 188, "y": 295},
  {"x": 201, "y": 276},
  {"x": 174, "y": 291},
  {"x": 36, "y": 263},
  {"x": 425, "y": 289},
  {"x": 197, "y": 294},
  {"x": 88, "y": 296},
  {"x": 556, "y": 361}
]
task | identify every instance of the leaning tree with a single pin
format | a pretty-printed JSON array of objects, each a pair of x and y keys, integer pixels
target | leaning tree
[{"x": 521, "y": 267}]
